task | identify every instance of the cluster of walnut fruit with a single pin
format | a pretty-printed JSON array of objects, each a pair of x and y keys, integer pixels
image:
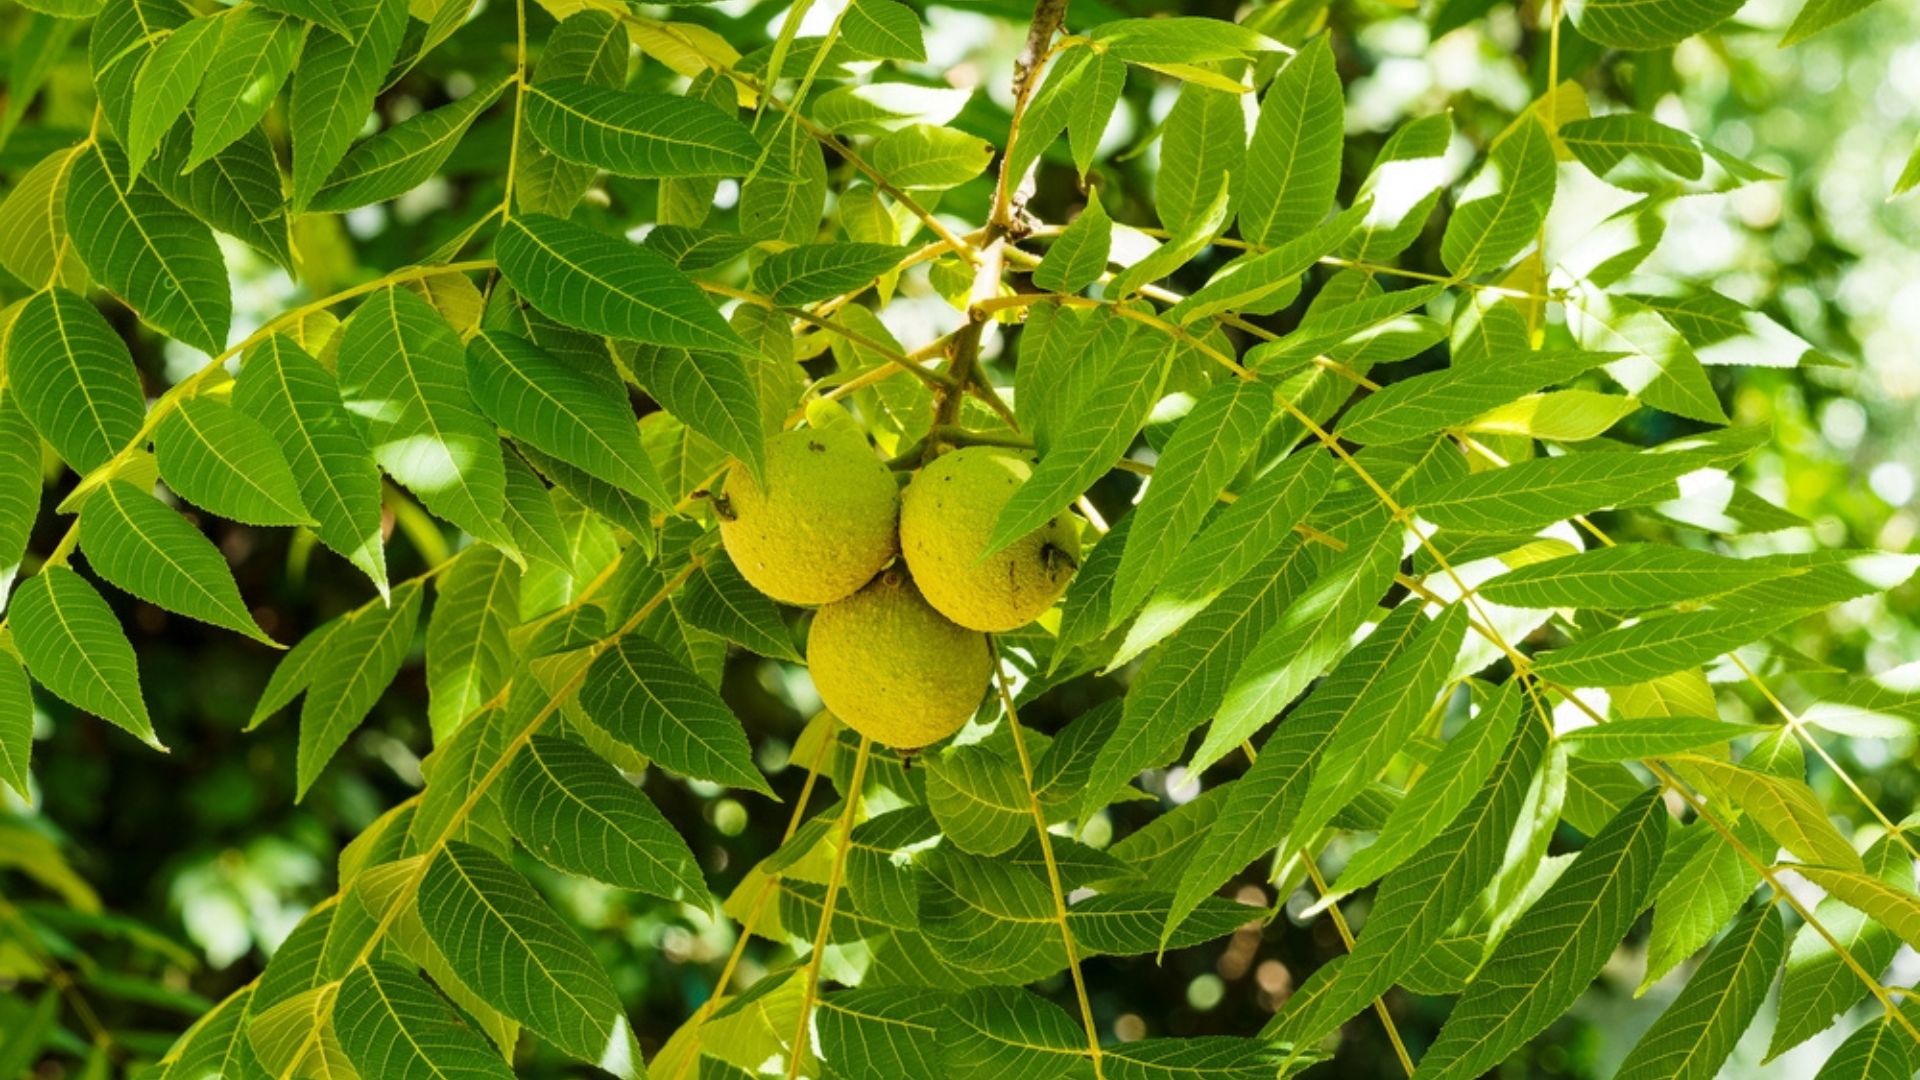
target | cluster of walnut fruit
[{"x": 898, "y": 647}]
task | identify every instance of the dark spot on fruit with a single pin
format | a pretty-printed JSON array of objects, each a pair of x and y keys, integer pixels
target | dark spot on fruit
[
  {"x": 818, "y": 448},
  {"x": 724, "y": 508}
]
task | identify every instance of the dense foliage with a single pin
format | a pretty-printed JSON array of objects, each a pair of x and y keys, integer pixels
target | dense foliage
[{"x": 1445, "y": 635}]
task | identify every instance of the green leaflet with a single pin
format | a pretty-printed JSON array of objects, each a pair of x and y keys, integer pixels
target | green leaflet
[
  {"x": 1195, "y": 466},
  {"x": 1291, "y": 652},
  {"x": 461, "y": 759},
  {"x": 1660, "y": 645},
  {"x": 391, "y": 1024},
  {"x": 237, "y": 191},
  {"x": 1293, "y": 161},
  {"x": 258, "y": 48},
  {"x": 1628, "y": 576},
  {"x": 637, "y": 133},
  {"x": 1184, "y": 685},
  {"x": 577, "y": 813},
  {"x": 1530, "y": 494},
  {"x": 715, "y": 394},
  {"x": 73, "y": 646},
  {"x": 507, "y": 945},
  {"x": 294, "y": 673},
  {"x": 1818, "y": 15},
  {"x": 135, "y": 542},
  {"x": 1650, "y": 736},
  {"x": 1425, "y": 404},
  {"x": 882, "y": 1032},
  {"x": 1647, "y": 24},
  {"x": 1709, "y": 881},
  {"x": 1501, "y": 210},
  {"x": 883, "y": 29},
  {"x": 531, "y": 518},
  {"x": 593, "y": 282},
  {"x": 73, "y": 378},
  {"x": 298, "y": 402},
  {"x": 1402, "y": 190},
  {"x": 468, "y": 655},
  {"x": 1079, "y": 255},
  {"x": 785, "y": 203},
  {"x": 33, "y": 229},
  {"x": 1784, "y": 806},
  {"x": 810, "y": 272},
  {"x": 589, "y": 46},
  {"x": 350, "y": 673},
  {"x": 1636, "y": 141},
  {"x": 1546, "y": 960},
  {"x": 334, "y": 87},
  {"x": 718, "y": 600},
  {"x": 216, "y": 1045},
  {"x": 1228, "y": 545},
  {"x": 20, "y": 489},
  {"x": 1880, "y": 1050},
  {"x": 1180, "y": 40},
  {"x": 1092, "y": 439},
  {"x": 979, "y": 799},
  {"x": 1260, "y": 284},
  {"x": 335, "y": 17},
  {"x": 158, "y": 258},
  {"x": 579, "y": 415},
  {"x": 1821, "y": 985},
  {"x": 1694, "y": 1037},
  {"x": 1420, "y": 900},
  {"x": 1263, "y": 808},
  {"x": 403, "y": 372},
  {"x": 225, "y": 461},
  {"x": 1660, "y": 365},
  {"x": 166, "y": 84},
  {"x": 1891, "y": 904},
  {"x": 648, "y": 700},
  {"x": 1204, "y": 144},
  {"x": 1442, "y": 792},
  {"x": 16, "y": 725},
  {"x": 404, "y": 156},
  {"x": 929, "y": 157}
]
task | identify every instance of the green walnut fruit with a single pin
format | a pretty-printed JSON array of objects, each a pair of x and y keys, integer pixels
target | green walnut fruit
[
  {"x": 946, "y": 519},
  {"x": 893, "y": 668},
  {"x": 826, "y": 521}
]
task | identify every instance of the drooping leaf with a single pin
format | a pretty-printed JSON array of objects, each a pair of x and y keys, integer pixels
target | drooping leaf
[
  {"x": 219, "y": 458},
  {"x": 638, "y": 133},
  {"x": 1697, "y": 1033},
  {"x": 1650, "y": 736},
  {"x": 1079, "y": 255},
  {"x": 158, "y": 258},
  {"x": 33, "y": 228},
  {"x": 810, "y": 272},
  {"x": 579, "y": 415},
  {"x": 1819, "y": 982},
  {"x": 402, "y": 157},
  {"x": 1627, "y": 576},
  {"x": 468, "y": 655},
  {"x": 73, "y": 646},
  {"x": 135, "y": 542},
  {"x": 298, "y": 401},
  {"x": 352, "y": 670},
  {"x": 575, "y": 812},
  {"x": 1660, "y": 646},
  {"x": 1203, "y": 148},
  {"x": 1784, "y": 806},
  {"x": 16, "y": 725},
  {"x": 168, "y": 80},
  {"x": 334, "y": 86},
  {"x": 715, "y": 394},
  {"x": 507, "y": 945},
  {"x": 718, "y": 600},
  {"x": 403, "y": 372},
  {"x": 73, "y": 378},
  {"x": 927, "y": 156},
  {"x": 259, "y": 47},
  {"x": 646, "y": 698},
  {"x": 596, "y": 283},
  {"x": 1293, "y": 161},
  {"x": 390, "y": 1023},
  {"x": 1553, "y": 950}
]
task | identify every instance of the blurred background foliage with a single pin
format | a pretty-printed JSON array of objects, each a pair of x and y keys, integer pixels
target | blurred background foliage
[{"x": 158, "y": 883}]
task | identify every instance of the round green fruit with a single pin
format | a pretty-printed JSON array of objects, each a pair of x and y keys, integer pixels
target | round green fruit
[
  {"x": 946, "y": 519},
  {"x": 825, "y": 522},
  {"x": 893, "y": 668}
]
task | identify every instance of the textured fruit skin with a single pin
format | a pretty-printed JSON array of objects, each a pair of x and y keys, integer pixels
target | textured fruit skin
[
  {"x": 893, "y": 668},
  {"x": 946, "y": 517},
  {"x": 826, "y": 522}
]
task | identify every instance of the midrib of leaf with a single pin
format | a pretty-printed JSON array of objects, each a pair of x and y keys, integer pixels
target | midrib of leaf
[
  {"x": 242, "y": 475},
  {"x": 72, "y": 357},
  {"x": 213, "y": 601},
  {"x": 601, "y": 122}
]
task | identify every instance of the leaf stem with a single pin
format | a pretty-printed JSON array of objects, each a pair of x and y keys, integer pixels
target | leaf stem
[
  {"x": 810, "y": 986},
  {"x": 1046, "y": 856}
]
